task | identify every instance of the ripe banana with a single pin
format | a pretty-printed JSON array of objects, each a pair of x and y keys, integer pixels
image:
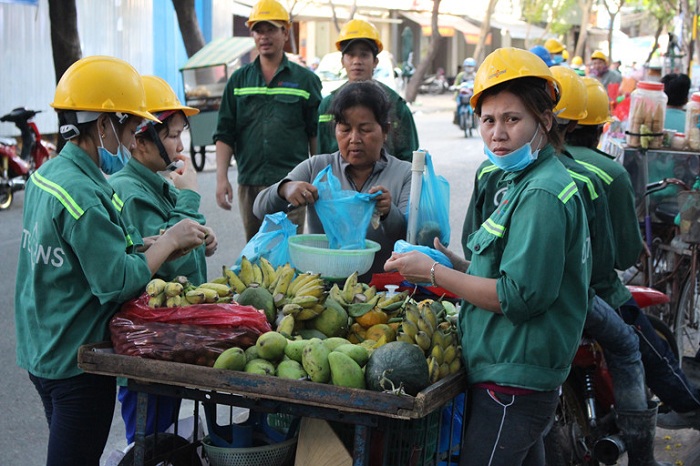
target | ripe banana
[
  {"x": 291, "y": 309},
  {"x": 312, "y": 289},
  {"x": 429, "y": 315},
  {"x": 412, "y": 313},
  {"x": 393, "y": 302},
  {"x": 433, "y": 369},
  {"x": 173, "y": 289},
  {"x": 402, "y": 336},
  {"x": 157, "y": 300},
  {"x": 300, "y": 281},
  {"x": 173, "y": 301},
  {"x": 409, "y": 328},
  {"x": 210, "y": 296},
  {"x": 194, "y": 296},
  {"x": 449, "y": 354},
  {"x": 269, "y": 274},
  {"x": 308, "y": 313},
  {"x": 221, "y": 290},
  {"x": 305, "y": 301},
  {"x": 155, "y": 287},
  {"x": 286, "y": 326},
  {"x": 233, "y": 280},
  {"x": 257, "y": 274},
  {"x": 423, "y": 340},
  {"x": 220, "y": 280},
  {"x": 285, "y": 276},
  {"x": 438, "y": 354},
  {"x": 455, "y": 365},
  {"x": 246, "y": 273},
  {"x": 425, "y": 326}
]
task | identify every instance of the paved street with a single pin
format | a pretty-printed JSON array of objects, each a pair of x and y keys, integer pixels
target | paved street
[{"x": 22, "y": 424}]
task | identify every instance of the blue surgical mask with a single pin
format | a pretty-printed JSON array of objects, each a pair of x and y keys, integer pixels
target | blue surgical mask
[
  {"x": 517, "y": 160},
  {"x": 111, "y": 163}
]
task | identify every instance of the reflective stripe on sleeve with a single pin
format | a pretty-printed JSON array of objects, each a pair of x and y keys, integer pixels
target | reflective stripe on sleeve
[
  {"x": 568, "y": 192},
  {"x": 271, "y": 91},
  {"x": 607, "y": 179},
  {"x": 494, "y": 228},
  {"x": 59, "y": 193},
  {"x": 587, "y": 180}
]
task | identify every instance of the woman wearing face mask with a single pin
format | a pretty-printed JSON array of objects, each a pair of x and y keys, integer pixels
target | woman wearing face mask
[
  {"x": 78, "y": 260},
  {"x": 152, "y": 203},
  {"x": 525, "y": 289}
]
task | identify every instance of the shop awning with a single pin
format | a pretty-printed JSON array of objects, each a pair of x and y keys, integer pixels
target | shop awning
[
  {"x": 220, "y": 51},
  {"x": 518, "y": 29},
  {"x": 447, "y": 25}
]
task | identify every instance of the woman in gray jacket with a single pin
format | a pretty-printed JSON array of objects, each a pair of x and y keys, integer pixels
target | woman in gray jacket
[{"x": 361, "y": 114}]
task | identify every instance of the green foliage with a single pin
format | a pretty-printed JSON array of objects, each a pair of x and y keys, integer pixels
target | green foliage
[{"x": 559, "y": 15}]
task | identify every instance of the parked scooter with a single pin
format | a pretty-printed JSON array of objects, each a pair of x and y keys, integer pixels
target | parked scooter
[
  {"x": 584, "y": 431},
  {"x": 434, "y": 83},
  {"x": 16, "y": 167}
]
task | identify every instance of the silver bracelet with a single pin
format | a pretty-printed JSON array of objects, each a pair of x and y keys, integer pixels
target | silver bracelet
[{"x": 432, "y": 274}]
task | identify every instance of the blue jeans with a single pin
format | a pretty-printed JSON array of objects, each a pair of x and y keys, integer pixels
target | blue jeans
[
  {"x": 79, "y": 411},
  {"x": 621, "y": 349},
  {"x": 162, "y": 410},
  {"x": 507, "y": 430},
  {"x": 663, "y": 373}
]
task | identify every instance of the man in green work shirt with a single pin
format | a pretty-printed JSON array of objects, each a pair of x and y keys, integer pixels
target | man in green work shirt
[
  {"x": 359, "y": 42},
  {"x": 267, "y": 118}
]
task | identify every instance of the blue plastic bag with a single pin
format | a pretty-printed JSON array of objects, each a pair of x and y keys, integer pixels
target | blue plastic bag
[
  {"x": 270, "y": 242},
  {"x": 344, "y": 214},
  {"x": 440, "y": 257},
  {"x": 434, "y": 207}
]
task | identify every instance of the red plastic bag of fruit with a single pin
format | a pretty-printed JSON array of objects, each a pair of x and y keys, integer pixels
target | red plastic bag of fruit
[{"x": 194, "y": 334}]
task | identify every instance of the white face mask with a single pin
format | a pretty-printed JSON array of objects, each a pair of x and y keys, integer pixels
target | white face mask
[{"x": 517, "y": 160}]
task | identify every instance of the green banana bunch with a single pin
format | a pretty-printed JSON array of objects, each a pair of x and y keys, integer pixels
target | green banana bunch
[
  {"x": 155, "y": 287},
  {"x": 392, "y": 303}
]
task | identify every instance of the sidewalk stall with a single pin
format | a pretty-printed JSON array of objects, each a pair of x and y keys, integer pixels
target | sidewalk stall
[
  {"x": 205, "y": 75},
  {"x": 377, "y": 402}
]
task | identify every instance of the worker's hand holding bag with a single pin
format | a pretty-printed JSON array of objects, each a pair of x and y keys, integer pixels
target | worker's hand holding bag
[{"x": 345, "y": 214}]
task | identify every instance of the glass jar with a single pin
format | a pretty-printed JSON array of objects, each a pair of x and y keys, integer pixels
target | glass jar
[
  {"x": 647, "y": 115},
  {"x": 678, "y": 141},
  {"x": 692, "y": 113}
]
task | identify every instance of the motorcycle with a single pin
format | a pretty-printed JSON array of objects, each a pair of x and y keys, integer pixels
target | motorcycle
[
  {"x": 18, "y": 166},
  {"x": 465, "y": 113},
  {"x": 434, "y": 84},
  {"x": 584, "y": 431}
]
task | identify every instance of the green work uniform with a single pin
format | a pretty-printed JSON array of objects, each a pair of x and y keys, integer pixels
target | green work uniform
[
  {"x": 488, "y": 192},
  {"x": 77, "y": 264},
  {"x": 535, "y": 244},
  {"x": 151, "y": 205},
  {"x": 269, "y": 125},
  {"x": 403, "y": 136},
  {"x": 626, "y": 233}
]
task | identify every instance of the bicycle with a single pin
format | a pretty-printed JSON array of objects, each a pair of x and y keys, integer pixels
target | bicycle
[{"x": 671, "y": 264}]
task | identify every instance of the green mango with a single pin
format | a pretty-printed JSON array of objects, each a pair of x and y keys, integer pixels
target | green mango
[
  {"x": 315, "y": 361},
  {"x": 260, "y": 366},
  {"x": 233, "y": 359},
  {"x": 333, "y": 342},
  {"x": 345, "y": 372},
  {"x": 358, "y": 353},
  {"x": 294, "y": 349},
  {"x": 271, "y": 345},
  {"x": 290, "y": 369}
]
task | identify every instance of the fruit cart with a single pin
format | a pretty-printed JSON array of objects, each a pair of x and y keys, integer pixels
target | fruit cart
[
  {"x": 362, "y": 410},
  {"x": 205, "y": 75}
]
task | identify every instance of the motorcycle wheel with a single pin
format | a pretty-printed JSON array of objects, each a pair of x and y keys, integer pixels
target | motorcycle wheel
[
  {"x": 463, "y": 121},
  {"x": 163, "y": 448},
  {"x": 565, "y": 444},
  {"x": 5, "y": 196},
  {"x": 198, "y": 157}
]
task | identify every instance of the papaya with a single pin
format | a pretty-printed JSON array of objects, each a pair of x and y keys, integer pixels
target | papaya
[{"x": 260, "y": 299}]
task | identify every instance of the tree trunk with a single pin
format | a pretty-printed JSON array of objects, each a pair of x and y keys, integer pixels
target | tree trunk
[
  {"x": 586, "y": 6},
  {"x": 189, "y": 26},
  {"x": 417, "y": 78},
  {"x": 479, "y": 54},
  {"x": 65, "y": 41}
]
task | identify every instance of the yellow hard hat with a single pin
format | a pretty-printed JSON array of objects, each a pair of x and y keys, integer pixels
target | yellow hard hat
[
  {"x": 508, "y": 63},
  {"x": 160, "y": 97},
  {"x": 599, "y": 55},
  {"x": 565, "y": 55},
  {"x": 554, "y": 46},
  {"x": 102, "y": 84},
  {"x": 358, "y": 29},
  {"x": 577, "y": 61},
  {"x": 573, "y": 101},
  {"x": 270, "y": 11},
  {"x": 598, "y": 103}
]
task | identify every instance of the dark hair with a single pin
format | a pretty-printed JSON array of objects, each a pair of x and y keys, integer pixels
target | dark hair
[
  {"x": 362, "y": 94},
  {"x": 163, "y": 125},
  {"x": 535, "y": 95},
  {"x": 676, "y": 87},
  {"x": 585, "y": 136}
]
